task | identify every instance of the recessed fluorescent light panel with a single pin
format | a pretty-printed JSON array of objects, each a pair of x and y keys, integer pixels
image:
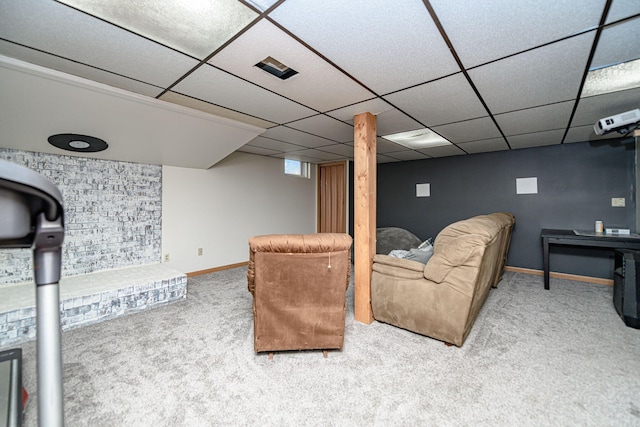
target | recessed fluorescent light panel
[
  {"x": 612, "y": 79},
  {"x": 194, "y": 27},
  {"x": 421, "y": 138},
  {"x": 276, "y": 68}
]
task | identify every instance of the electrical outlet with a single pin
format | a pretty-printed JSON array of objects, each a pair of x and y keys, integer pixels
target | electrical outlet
[
  {"x": 166, "y": 257},
  {"x": 199, "y": 251},
  {"x": 617, "y": 202}
]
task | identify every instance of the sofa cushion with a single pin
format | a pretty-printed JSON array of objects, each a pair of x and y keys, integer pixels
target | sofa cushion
[
  {"x": 420, "y": 255},
  {"x": 452, "y": 254},
  {"x": 481, "y": 224}
]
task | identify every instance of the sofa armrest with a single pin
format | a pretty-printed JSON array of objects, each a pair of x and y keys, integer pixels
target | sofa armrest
[
  {"x": 398, "y": 267},
  {"x": 398, "y": 262}
]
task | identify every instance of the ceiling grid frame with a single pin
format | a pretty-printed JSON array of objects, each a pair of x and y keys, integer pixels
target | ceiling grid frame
[{"x": 20, "y": 31}]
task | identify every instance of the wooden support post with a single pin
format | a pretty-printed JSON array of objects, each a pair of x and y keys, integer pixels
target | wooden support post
[{"x": 364, "y": 155}]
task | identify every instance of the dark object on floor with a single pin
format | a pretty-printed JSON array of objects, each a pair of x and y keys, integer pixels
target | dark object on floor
[
  {"x": 390, "y": 238},
  {"x": 626, "y": 296},
  {"x": 11, "y": 402}
]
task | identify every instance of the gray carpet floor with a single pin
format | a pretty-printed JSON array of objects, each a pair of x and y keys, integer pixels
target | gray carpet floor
[{"x": 534, "y": 357}]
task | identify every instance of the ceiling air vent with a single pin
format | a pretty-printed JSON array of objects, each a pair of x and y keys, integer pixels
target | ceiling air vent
[{"x": 277, "y": 68}]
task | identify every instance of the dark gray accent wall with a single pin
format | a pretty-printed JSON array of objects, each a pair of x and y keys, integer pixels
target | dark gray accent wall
[{"x": 575, "y": 185}]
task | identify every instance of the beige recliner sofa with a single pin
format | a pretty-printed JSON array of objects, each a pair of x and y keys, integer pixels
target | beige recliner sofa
[{"x": 442, "y": 299}]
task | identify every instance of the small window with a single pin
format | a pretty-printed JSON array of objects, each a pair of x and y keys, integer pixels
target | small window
[{"x": 297, "y": 168}]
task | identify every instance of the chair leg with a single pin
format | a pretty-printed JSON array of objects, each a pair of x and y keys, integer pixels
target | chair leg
[
  {"x": 270, "y": 355},
  {"x": 325, "y": 353}
]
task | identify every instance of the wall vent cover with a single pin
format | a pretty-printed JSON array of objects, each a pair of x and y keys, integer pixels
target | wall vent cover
[{"x": 276, "y": 68}]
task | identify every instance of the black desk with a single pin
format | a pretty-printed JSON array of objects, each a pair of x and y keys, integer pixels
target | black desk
[{"x": 569, "y": 238}]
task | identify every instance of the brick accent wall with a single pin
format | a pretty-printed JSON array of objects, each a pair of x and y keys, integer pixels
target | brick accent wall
[{"x": 113, "y": 214}]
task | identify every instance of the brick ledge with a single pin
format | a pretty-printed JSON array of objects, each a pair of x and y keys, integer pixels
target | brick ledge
[{"x": 91, "y": 298}]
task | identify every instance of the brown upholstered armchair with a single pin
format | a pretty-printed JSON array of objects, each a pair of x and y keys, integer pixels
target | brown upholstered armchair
[{"x": 298, "y": 283}]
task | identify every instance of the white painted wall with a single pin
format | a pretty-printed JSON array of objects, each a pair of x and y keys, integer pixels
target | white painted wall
[{"x": 220, "y": 208}]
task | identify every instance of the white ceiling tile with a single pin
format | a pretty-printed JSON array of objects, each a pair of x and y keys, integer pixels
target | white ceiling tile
[
  {"x": 218, "y": 87},
  {"x": 314, "y": 73},
  {"x": 621, "y": 9},
  {"x": 536, "y": 139},
  {"x": 586, "y": 133},
  {"x": 395, "y": 121},
  {"x": 70, "y": 67},
  {"x": 294, "y": 155},
  {"x": 580, "y": 134},
  {"x": 274, "y": 144},
  {"x": 325, "y": 127},
  {"x": 522, "y": 81},
  {"x": 483, "y": 31},
  {"x": 262, "y": 5},
  {"x": 447, "y": 100},
  {"x": 407, "y": 155},
  {"x": 196, "y": 104},
  {"x": 375, "y": 106},
  {"x": 618, "y": 43},
  {"x": 196, "y": 28},
  {"x": 443, "y": 151},
  {"x": 594, "y": 108},
  {"x": 485, "y": 146},
  {"x": 294, "y": 136},
  {"x": 469, "y": 130},
  {"x": 257, "y": 150},
  {"x": 53, "y": 27},
  {"x": 384, "y": 146},
  {"x": 547, "y": 117},
  {"x": 341, "y": 149},
  {"x": 317, "y": 154},
  {"x": 380, "y": 158},
  {"x": 370, "y": 39}
]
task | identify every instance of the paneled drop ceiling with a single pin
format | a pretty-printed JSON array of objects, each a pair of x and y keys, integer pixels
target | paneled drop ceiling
[{"x": 483, "y": 75}]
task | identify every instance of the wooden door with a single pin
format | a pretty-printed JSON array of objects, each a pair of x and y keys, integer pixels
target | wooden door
[{"x": 332, "y": 197}]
